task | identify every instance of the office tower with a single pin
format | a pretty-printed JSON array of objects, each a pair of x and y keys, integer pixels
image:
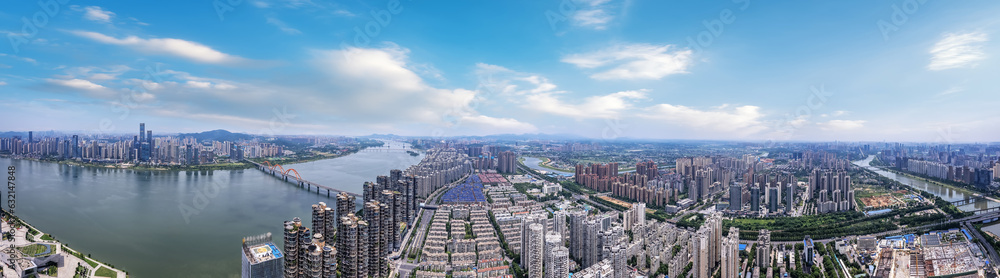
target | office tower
[
  {"x": 261, "y": 258},
  {"x": 142, "y": 132},
  {"x": 559, "y": 268},
  {"x": 576, "y": 234},
  {"x": 773, "y": 198},
  {"x": 735, "y": 197},
  {"x": 31, "y": 138},
  {"x": 76, "y": 146},
  {"x": 807, "y": 252},
  {"x": 731, "y": 253},
  {"x": 789, "y": 196},
  {"x": 345, "y": 205},
  {"x": 763, "y": 250},
  {"x": 352, "y": 246},
  {"x": 535, "y": 250},
  {"x": 618, "y": 262},
  {"x": 754, "y": 198}
]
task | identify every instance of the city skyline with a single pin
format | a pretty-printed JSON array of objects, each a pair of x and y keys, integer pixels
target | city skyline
[{"x": 741, "y": 70}]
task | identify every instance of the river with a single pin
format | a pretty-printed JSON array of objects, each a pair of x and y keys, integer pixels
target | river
[
  {"x": 179, "y": 224},
  {"x": 947, "y": 193},
  {"x": 534, "y": 163}
]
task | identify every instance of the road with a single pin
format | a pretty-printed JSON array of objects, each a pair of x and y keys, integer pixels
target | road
[{"x": 401, "y": 266}]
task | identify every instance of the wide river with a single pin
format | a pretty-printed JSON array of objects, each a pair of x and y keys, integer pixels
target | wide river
[
  {"x": 947, "y": 193},
  {"x": 179, "y": 224}
]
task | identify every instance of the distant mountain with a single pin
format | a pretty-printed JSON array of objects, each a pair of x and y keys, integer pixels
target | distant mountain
[{"x": 217, "y": 135}]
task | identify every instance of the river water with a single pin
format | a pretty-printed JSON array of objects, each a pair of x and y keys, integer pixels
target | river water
[
  {"x": 533, "y": 163},
  {"x": 179, "y": 224},
  {"x": 947, "y": 193}
]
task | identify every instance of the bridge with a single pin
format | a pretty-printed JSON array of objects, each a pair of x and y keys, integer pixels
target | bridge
[
  {"x": 970, "y": 200},
  {"x": 292, "y": 176},
  {"x": 385, "y": 149}
]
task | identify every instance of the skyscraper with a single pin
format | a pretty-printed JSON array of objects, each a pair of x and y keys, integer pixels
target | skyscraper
[
  {"x": 763, "y": 250},
  {"x": 535, "y": 250},
  {"x": 618, "y": 262},
  {"x": 773, "y": 198},
  {"x": 755, "y": 198},
  {"x": 735, "y": 197},
  {"x": 352, "y": 247},
  {"x": 559, "y": 268},
  {"x": 731, "y": 253},
  {"x": 576, "y": 234},
  {"x": 807, "y": 252},
  {"x": 261, "y": 258},
  {"x": 507, "y": 162}
]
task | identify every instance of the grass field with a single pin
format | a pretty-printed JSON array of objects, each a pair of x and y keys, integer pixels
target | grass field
[{"x": 106, "y": 272}]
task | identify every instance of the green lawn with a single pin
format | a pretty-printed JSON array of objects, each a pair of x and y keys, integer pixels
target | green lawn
[
  {"x": 35, "y": 249},
  {"x": 47, "y": 237},
  {"x": 106, "y": 272}
]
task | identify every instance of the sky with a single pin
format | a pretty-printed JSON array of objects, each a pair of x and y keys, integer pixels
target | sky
[{"x": 904, "y": 70}]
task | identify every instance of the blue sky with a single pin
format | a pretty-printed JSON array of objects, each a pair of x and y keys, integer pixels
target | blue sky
[{"x": 745, "y": 70}]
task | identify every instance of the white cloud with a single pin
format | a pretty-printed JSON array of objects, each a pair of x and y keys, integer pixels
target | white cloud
[
  {"x": 95, "y": 13},
  {"x": 198, "y": 84},
  {"x": 77, "y": 84},
  {"x": 842, "y": 124},
  {"x": 3, "y": 83},
  {"x": 952, "y": 90},
  {"x": 283, "y": 26},
  {"x": 603, "y": 106},
  {"x": 958, "y": 50},
  {"x": 738, "y": 120},
  {"x": 498, "y": 125},
  {"x": 175, "y": 47},
  {"x": 633, "y": 61},
  {"x": 592, "y": 14}
]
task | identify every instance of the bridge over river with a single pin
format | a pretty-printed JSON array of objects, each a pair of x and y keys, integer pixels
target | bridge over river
[{"x": 292, "y": 176}]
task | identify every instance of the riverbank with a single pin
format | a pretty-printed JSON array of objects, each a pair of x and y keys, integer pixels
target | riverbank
[
  {"x": 989, "y": 196},
  {"x": 202, "y": 167},
  {"x": 35, "y": 243},
  {"x": 545, "y": 164}
]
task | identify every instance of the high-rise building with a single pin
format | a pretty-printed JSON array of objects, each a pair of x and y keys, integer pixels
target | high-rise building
[
  {"x": 507, "y": 162},
  {"x": 635, "y": 215},
  {"x": 376, "y": 215},
  {"x": 789, "y": 195},
  {"x": 763, "y": 250},
  {"x": 261, "y": 258},
  {"x": 755, "y": 198},
  {"x": 731, "y": 253},
  {"x": 553, "y": 240},
  {"x": 307, "y": 255},
  {"x": 591, "y": 245},
  {"x": 807, "y": 252},
  {"x": 535, "y": 250},
  {"x": 345, "y": 205},
  {"x": 352, "y": 247},
  {"x": 735, "y": 197},
  {"x": 701, "y": 259},
  {"x": 618, "y": 262},
  {"x": 323, "y": 220},
  {"x": 773, "y": 198},
  {"x": 576, "y": 234},
  {"x": 559, "y": 268}
]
